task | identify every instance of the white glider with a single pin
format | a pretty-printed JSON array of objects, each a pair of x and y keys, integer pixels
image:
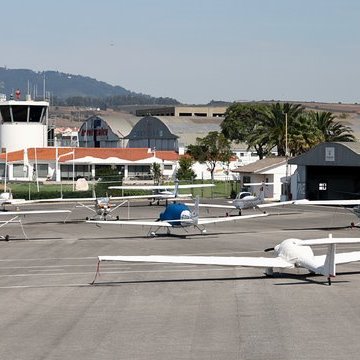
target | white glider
[{"x": 291, "y": 253}]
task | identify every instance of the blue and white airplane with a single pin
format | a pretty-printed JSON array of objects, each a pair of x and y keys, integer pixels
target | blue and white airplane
[{"x": 177, "y": 215}]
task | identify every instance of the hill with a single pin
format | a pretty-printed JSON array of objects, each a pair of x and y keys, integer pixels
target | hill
[{"x": 62, "y": 87}]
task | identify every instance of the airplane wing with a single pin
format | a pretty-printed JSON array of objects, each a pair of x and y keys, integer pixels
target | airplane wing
[
  {"x": 31, "y": 212},
  {"x": 203, "y": 221},
  {"x": 327, "y": 202},
  {"x": 132, "y": 222},
  {"x": 281, "y": 203},
  {"x": 218, "y": 206},
  {"x": 341, "y": 258},
  {"x": 70, "y": 200},
  {"x": 159, "y": 187},
  {"x": 261, "y": 262},
  {"x": 50, "y": 201},
  {"x": 329, "y": 241}
]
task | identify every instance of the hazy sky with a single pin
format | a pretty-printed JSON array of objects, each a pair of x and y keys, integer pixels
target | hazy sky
[{"x": 193, "y": 50}]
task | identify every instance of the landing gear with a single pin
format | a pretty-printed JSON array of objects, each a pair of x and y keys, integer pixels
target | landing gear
[
  {"x": 269, "y": 272},
  {"x": 240, "y": 212}
]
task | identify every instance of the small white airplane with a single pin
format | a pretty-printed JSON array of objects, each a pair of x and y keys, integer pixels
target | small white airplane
[
  {"x": 6, "y": 198},
  {"x": 244, "y": 200},
  {"x": 16, "y": 214},
  {"x": 178, "y": 215},
  {"x": 163, "y": 192},
  {"x": 103, "y": 207},
  {"x": 291, "y": 253}
]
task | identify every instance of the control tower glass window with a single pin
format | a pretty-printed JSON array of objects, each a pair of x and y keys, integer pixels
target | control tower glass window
[{"x": 23, "y": 113}]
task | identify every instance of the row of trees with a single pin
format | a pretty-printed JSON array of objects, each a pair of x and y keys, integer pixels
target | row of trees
[{"x": 264, "y": 127}]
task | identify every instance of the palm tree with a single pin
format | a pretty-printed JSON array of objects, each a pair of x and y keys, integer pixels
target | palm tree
[
  {"x": 274, "y": 124},
  {"x": 330, "y": 129}
]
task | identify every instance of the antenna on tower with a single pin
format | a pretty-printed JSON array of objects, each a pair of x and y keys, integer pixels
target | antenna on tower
[{"x": 44, "y": 87}]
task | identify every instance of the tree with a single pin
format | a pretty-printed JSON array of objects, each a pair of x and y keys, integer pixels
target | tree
[
  {"x": 211, "y": 149},
  {"x": 330, "y": 129},
  {"x": 244, "y": 123},
  {"x": 156, "y": 172},
  {"x": 185, "y": 172},
  {"x": 274, "y": 124}
]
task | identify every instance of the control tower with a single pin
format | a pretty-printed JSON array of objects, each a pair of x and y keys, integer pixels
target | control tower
[{"x": 23, "y": 124}]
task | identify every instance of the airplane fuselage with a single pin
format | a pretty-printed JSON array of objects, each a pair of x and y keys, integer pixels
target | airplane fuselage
[
  {"x": 247, "y": 202},
  {"x": 177, "y": 211},
  {"x": 301, "y": 256},
  {"x": 102, "y": 206}
]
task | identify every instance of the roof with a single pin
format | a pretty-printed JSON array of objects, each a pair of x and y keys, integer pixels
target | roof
[
  {"x": 66, "y": 154},
  {"x": 120, "y": 123},
  {"x": 187, "y": 128},
  {"x": 262, "y": 165},
  {"x": 330, "y": 154},
  {"x": 353, "y": 146}
]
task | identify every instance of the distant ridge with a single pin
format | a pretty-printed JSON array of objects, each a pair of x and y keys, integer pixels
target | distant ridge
[{"x": 62, "y": 86}]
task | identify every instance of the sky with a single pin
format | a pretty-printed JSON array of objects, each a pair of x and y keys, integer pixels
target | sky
[{"x": 193, "y": 50}]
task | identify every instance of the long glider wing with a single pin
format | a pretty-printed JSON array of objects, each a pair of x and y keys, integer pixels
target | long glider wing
[
  {"x": 261, "y": 262},
  {"x": 32, "y": 212}
]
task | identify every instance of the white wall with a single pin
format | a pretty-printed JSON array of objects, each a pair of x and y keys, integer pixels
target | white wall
[{"x": 17, "y": 136}]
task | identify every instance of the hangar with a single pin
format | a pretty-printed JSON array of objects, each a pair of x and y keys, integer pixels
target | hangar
[{"x": 329, "y": 171}]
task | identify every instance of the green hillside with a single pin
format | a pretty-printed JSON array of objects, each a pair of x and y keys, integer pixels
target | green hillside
[{"x": 70, "y": 89}]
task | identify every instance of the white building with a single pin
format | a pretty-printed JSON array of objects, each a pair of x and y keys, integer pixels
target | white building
[{"x": 274, "y": 170}]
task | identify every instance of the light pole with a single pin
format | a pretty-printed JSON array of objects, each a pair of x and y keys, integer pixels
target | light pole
[
  {"x": 286, "y": 135},
  {"x": 286, "y": 158},
  {"x": 73, "y": 167}
]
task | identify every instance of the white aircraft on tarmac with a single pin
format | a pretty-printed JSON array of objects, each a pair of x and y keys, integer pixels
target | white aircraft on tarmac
[
  {"x": 245, "y": 200},
  {"x": 291, "y": 253},
  {"x": 163, "y": 192},
  {"x": 103, "y": 206},
  {"x": 177, "y": 215},
  {"x": 16, "y": 214}
]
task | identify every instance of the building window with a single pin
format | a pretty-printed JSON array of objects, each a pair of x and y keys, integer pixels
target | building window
[
  {"x": 2, "y": 170},
  {"x": 20, "y": 171},
  {"x": 139, "y": 171},
  {"x": 42, "y": 169},
  {"x": 168, "y": 167},
  {"x": 81, "y": 171}
]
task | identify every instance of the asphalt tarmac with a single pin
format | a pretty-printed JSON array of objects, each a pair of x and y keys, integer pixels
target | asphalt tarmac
[{"x": 49, "y": 310}]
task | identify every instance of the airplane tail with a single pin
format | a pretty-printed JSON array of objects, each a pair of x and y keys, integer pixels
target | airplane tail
[
  {"x": 176, "y": 190},
  {"x": 195, "y": 214}
]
